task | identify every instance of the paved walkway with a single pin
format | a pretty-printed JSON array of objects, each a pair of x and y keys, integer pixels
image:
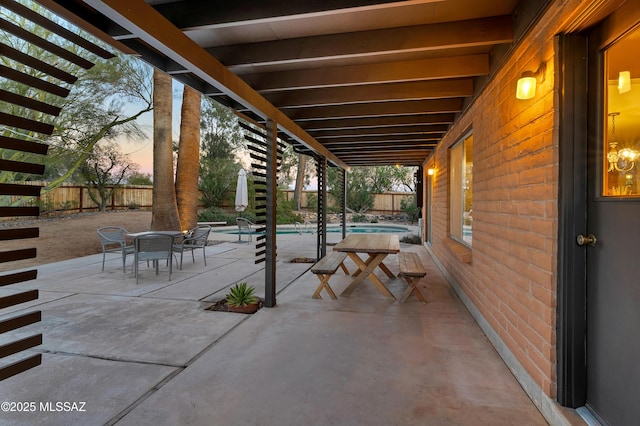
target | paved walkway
[{"x": 150, "y": 354}]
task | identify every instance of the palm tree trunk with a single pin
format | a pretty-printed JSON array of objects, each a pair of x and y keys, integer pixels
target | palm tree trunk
[
  {"x": 164, "y": 213},
  {"x": 188, "y": 166}
]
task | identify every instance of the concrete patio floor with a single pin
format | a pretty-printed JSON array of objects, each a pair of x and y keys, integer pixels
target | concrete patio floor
[{"x": 150, "y": 354}]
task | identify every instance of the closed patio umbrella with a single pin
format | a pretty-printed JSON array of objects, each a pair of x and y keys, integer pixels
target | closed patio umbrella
[{"x": 242, "y": 194}]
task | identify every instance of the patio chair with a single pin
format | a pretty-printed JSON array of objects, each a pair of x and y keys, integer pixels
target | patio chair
[
  {"x": 244, "y": 224},
  {"x": 196, "y": 239},
  {"x": 154, "y": 247},
  {"x": 113, "y": 240}
]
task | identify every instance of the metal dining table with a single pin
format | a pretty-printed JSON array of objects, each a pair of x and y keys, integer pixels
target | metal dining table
[
  {"x": 143, "y": 233},
  {"x": 135, "y": 235},
  {"x": 377, "y": 247}
]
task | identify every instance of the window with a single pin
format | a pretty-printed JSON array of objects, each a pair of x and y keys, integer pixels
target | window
[
  {"x": 461, "y": 190},
  {"x": 621, "y": 142}
]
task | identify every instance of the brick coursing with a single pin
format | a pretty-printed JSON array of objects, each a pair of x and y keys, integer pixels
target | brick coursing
[{"x": 513, "y": 273}]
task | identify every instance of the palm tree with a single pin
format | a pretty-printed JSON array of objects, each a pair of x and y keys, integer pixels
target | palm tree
[
  {"x": 188, "y": 165},
  {"x": 164, "y": 214}
]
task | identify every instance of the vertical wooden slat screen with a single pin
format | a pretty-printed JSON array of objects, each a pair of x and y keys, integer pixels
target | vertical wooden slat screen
[
  {"x": 257, "y": 146},
  {"x": 36, "y": 118},
  {"x": 258, "y": 154}
]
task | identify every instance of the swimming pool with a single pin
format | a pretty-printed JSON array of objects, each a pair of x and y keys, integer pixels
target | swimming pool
[{"x": 353, "y": 229}]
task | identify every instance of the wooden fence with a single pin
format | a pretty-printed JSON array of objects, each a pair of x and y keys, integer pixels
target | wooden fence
[
  {"x": 387, "y": 203},
  {"x": 75, "y": 198}
]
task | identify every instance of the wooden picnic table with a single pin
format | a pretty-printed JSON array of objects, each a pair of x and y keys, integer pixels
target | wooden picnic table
[{"x": 377, "y": 247}]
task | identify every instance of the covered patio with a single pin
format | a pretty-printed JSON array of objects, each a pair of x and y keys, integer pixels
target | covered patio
[
  {"x": 424, "y": 83},
  {"x": 151, "y": 354}
]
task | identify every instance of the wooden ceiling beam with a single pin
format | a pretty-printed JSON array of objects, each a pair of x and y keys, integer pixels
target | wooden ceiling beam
[
  {"x": 437, "y": 129},
  {"x": 363, "y": 123},
  {"x": 386, "y": 157},
  {"x": 411, "y": 162},
  {"x": 418, "y": 38},
  {"x": 243, "y": 11},
  {"x": 339, "y": 151},
  {"x": 454, "y": 88},
  {"x": 357, "y": 143},
  {"x": 376, "y": 109},
  {"x": 391, "y": 72},
  {"x": 380, "y": 143},
  {"x": 366, "y": 159}
]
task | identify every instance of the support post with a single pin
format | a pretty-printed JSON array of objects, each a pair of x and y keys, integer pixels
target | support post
[
  {"x": 322, "y": 207},
  {"x": 343, "y": 201},
  {"x": 270, "y": 248}
]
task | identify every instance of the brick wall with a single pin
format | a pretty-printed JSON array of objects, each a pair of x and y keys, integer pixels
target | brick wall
[{"x": 511, "y": 277}]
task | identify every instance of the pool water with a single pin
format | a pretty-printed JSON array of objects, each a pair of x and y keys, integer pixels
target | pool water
[{"x": 353, "y": 229}]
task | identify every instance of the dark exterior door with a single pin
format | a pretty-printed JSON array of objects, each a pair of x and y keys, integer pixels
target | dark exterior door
[
  {"x": 613, "y": 218},
  {"x": 613, "y": 311}
]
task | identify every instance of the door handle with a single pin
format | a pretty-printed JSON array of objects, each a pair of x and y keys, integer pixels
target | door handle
[{"x": 584, "y": 240}]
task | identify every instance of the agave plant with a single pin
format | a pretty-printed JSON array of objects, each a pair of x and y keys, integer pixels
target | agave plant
[{"x": 241, "y": 295}]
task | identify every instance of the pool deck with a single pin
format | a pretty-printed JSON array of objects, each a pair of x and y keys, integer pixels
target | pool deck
[{"x": 150, "y": 354}]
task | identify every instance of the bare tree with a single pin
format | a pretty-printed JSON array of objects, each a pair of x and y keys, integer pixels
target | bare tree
[{"x": 104, "y": 170}]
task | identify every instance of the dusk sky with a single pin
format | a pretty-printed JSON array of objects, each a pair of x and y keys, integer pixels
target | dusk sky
[{"x": 141, "y": 151}]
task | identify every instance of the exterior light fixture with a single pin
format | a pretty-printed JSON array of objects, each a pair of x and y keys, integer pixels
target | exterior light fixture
[
  {"x": 624, "y": 82},
  {"x": 528, "y": 81},
  {"x": 431, "y": 172}
]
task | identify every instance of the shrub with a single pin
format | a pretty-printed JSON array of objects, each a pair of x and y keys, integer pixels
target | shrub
[
  {"x": 47, "y": 205},
  {"x": 312, "y": 202},
  {"x": 360, "y": 199},
  {"x": 359, "y": 218},
  {"x": 285, "y": 211},
  {"x": 218, "y": 180},
  {"x": 410, "y": 207},
  {"x": 248, "y": 214},
  {"x": 411, "y": 239},
  {"x": 216, "y": 214}
]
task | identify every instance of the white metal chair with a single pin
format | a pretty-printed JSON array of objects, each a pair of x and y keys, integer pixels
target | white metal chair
[
  {"x": 113, "y": 240},
  {"x": 194, "y": 240},
  {"x": 154, "y": 247},
  {"x": 246, "y": 225}
]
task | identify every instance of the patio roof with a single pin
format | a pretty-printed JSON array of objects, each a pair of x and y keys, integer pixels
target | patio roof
[{"x": 359, "y": 82}]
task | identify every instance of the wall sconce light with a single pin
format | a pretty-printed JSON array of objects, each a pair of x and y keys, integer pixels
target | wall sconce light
[
  {"x": 624, "y": 82},
  {"x": 527, "y": 82},
  {"x": 431, "y": 172}
]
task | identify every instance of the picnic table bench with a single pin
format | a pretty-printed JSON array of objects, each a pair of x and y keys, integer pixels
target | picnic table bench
[
  {"x": 325, "y": 268},
  {"x": 412, "y": 271}
]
